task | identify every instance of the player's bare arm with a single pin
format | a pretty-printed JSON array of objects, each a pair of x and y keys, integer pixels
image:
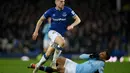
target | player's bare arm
[
  {"x": 35, "y": 34},
  {"x": 76, "y": 22}
]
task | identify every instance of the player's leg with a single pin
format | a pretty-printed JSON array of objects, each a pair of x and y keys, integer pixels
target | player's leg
[
  {"x": 59, "y": 63},
  {"x": 43, "y": 68},
  {"x": 53, "y": 36},
  {"x": 65, "y": 65},
  {"x": 58, "y": 45},
  {"x": 69, "y": 66},
  {"x": 44, "y": 58}
]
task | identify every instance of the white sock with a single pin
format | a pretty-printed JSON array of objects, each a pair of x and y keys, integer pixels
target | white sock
[
  {"x": 56, "y": 55},
  {"x": 42, "y": 60}
]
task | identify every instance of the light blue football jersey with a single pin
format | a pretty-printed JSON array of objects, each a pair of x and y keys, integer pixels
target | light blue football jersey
[
  {"x": 45, "y": 31},
  {"x": 90, "y": 66}
]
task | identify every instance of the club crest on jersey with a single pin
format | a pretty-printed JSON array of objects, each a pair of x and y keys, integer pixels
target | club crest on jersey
[{"x": 64, "y": 14}]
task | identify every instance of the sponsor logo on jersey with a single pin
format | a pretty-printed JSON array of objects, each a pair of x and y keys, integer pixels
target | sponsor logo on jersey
[
  {"x": 59, "y": 19},
  {"x": 64, "y": 14}
]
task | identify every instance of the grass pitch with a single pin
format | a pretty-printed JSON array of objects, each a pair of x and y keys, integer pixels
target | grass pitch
[{"x": 18, "y": 66}]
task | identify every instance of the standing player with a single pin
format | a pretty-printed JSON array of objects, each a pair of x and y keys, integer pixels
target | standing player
[
  {"x": 94, "y": 64},
  {"x": 59, "y": 25}
]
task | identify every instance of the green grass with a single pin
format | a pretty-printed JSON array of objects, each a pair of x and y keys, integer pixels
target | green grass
[{"x": 18, "y": 66}]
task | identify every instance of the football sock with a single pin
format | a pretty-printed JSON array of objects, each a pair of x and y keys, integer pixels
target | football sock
[
  {"x": 56, "y": 55},
  {"x": 46, "y": 69},
  {"x": 43, "y": 60}
]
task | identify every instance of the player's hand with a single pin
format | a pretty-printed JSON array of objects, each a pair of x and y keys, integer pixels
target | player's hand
[
  {"x": 70, "y": 27},
  {"x": 94, "y": 55},
  {"x": 34, "y": 36}
]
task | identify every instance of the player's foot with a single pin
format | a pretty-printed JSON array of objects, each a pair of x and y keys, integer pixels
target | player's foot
[
  {"x": 36, "y": 68},
  {"x": 53, "y": 65},
  {"x": 31, "y": 66}
]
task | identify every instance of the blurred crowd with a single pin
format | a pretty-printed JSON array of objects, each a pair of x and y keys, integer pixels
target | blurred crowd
[{"x": 102, "y": 27}]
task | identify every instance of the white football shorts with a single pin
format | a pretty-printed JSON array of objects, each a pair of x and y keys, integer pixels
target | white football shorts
[
  {"x": 52, "y": 35},
  {"x": 46, "y": 43},
  {"x": 70, "y": 66}
]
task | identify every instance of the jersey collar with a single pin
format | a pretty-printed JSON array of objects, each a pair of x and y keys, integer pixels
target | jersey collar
[{"x": 59, "y": 10}]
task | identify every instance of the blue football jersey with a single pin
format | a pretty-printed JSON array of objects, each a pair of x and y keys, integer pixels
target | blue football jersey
[
  {"x": 90, "y": 66},
  {"x": 60, "y": 18}
]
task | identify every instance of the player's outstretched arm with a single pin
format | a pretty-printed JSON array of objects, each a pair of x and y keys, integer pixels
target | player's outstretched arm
[
  {"x": 35, "y": 34},
  {"x": 88, "y": 56},
  {"x": 76, "y": 22},
  {"x": 84, "y": 56}
]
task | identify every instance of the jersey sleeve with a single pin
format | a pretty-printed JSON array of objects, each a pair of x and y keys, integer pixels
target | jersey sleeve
[
  {"x": 72, "y": 13},
  {"x": 84, "y": 56},
  {"x": 101, "y": 69},
  {"x": 47, "y": 13}
]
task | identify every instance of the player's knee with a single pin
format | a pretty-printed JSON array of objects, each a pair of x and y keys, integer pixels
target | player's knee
[
  {"x": 60, "y": 41},
  {"x": 62, "y": 44},
  {"x": 56, "y": 46}
]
